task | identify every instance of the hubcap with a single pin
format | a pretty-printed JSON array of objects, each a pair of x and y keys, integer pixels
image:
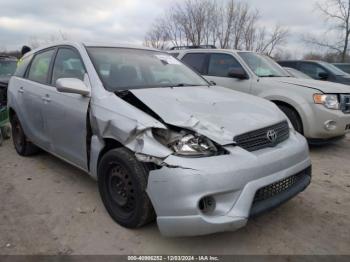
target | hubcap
[{"x": 121, "y": 188}]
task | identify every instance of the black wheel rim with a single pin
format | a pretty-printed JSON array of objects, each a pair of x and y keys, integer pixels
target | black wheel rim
[
  {"x": 121, "y": 189},
  {"x": 18, "y": 135}
]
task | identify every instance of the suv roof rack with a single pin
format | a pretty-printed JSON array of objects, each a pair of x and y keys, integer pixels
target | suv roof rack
[{"x": 193, "y": 47}]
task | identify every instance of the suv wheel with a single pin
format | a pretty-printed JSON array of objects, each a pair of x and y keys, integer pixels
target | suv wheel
[
  {"x": 20, "y": 141},
  {"x": 293, "y": 117},
  {"x": 122, "y": 182}
]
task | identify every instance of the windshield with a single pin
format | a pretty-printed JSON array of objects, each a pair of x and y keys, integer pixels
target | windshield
[
  {"x": 124, "y": 69},
  {"x": 7, "y": 67},
  {"x": 263, "y": 66},
  {"x": 333, "y": 69}
]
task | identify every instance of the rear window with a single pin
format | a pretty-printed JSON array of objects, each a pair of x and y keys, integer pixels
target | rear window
[{"x": 7, "y": 67}]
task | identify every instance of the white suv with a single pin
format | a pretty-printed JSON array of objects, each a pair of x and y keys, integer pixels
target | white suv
[{"x": 319, "y": 110}]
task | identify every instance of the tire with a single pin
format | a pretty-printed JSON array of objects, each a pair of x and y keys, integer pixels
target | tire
[
  {"x": 122, "y": 182},
  {"x": 6, "y": 132},
  {"x": 293, "y": 117},
  {"x": 20, "y": 141}
]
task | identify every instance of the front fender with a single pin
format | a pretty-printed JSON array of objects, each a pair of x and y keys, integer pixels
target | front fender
[{"x": 299, "y": 103}]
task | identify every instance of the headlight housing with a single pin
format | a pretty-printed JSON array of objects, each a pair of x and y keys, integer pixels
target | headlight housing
[
  {"x": 186, "y": 143},
  {"x": 330, "y": 101}
]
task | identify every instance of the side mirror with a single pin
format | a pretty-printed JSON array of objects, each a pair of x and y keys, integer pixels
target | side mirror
[
  {"x": 323, "y": 76},
  {"x": 72, "y": 85},
  {"x": 237, "y": 73}
]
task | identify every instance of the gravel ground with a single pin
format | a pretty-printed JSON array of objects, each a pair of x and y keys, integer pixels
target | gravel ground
[{"x": 50, "y": 207}]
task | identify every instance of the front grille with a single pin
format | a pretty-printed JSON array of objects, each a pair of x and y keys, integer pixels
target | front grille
[
  {"x": 259, "y": 139},
  {"x": 280, "y": 186},
  {"x": 345, "y": 103}
]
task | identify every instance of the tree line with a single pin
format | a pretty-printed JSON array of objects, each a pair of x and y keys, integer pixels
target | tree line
[
  {"x": 225, "y": 24},
  {"x": 237, "y": 25}
]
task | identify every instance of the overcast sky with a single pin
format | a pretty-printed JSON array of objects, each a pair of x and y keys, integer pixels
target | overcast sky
[{"x": 126, "y": 21}]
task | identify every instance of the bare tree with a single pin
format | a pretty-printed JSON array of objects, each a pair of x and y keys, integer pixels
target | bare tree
[
  {"x": 157, "y": 37},
  {"x": 337, "y": 14},
  {"x": 277, "y": 37},
  {"x": 227, "y": 24}
]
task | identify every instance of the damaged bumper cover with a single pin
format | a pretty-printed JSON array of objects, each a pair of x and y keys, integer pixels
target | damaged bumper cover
[{"x": 231, "y": 181}]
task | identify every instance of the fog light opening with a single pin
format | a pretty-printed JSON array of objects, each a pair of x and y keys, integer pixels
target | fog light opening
[
  {"x": 330, "y": 125},
  {"x": 207, "y": 204}
]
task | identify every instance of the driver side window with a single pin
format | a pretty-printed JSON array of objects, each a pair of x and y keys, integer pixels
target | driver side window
[
  {"x": 221, "y": 64},
  {"x": 312, "y": 70},
  {"x": 67, "y": 65}
]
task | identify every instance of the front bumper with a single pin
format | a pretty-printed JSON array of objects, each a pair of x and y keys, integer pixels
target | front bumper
[
  {"x": 232, "y": 180},
  {"x": 315, "y": 126}
]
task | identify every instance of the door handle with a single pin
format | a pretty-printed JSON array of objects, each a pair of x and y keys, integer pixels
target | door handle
[
  {"x": 21, "y": 90},
  {"x": 46, "y": 98}
]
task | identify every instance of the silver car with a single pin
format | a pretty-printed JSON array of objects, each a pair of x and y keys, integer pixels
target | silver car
[{"x": 161, "y": 142}]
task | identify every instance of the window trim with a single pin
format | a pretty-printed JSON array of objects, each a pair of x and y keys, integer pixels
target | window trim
[
  {"x": 26, "y": 75},
  {"x": 55, "y": 57},
  {"x": 218, "y": 53}
]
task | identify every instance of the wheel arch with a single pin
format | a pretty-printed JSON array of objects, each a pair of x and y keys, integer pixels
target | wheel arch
[
  {"x": 291, "y": 107},
  {"x": 12, "y": 113}
]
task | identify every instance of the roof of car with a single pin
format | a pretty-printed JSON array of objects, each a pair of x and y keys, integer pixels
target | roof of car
[
  {"x": 313, "y": 61},
  {"x": 90, "y": 44},
  {"x": 204, "y": 50}
]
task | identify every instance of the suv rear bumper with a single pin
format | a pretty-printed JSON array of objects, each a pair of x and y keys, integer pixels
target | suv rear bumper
[{"x": 231, "y": 180}]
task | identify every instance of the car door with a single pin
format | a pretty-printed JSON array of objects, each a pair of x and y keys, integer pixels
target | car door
[
  {"x": 219, "y": 66},
  {"x": 32, "y": 90},
  {"x": 66, "y": 114}
]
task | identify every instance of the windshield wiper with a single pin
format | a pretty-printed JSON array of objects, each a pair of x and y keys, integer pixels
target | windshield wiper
[
  {"x": 183, "y": 84},
  {"x": 273, "y": 76}
]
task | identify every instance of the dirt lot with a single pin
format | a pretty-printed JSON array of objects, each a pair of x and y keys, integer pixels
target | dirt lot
[{"x": 49, "y": 207}]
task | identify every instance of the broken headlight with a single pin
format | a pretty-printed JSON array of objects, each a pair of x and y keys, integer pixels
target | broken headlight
[{"x": 185, "y": 143}]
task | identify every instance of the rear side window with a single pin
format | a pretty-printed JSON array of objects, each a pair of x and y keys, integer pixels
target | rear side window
[
  {"x": 40, "y": 66},
  {"x": 221, "y": 64},
  {"x": 196, "y": 61},
  {"x": 67, "y": 65},
  {"x": 22, "y": 65}
]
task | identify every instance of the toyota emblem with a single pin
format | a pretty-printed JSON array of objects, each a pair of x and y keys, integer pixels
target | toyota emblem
[{"x": 271, "y": 136}]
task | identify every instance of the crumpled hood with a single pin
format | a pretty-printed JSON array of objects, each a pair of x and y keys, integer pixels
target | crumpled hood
[
  {"x": 324, "y": 86},
  {"x": 216, "y": 112}
]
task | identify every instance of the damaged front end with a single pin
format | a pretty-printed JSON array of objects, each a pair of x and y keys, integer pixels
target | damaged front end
[{"x": 148, "y": 135}]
